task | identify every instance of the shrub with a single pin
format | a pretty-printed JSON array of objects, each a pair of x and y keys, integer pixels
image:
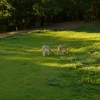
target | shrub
[{"x": 3, "y": 28}]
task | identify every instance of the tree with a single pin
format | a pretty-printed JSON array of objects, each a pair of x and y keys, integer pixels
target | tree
[
  {"x": 45, "y": 8},
  {"x": 4, "y": 14},
  {"x": 22, "y": 14}
]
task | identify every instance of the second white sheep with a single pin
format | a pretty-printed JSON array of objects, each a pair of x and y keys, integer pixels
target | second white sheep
[{"x": 62, "y": 49}]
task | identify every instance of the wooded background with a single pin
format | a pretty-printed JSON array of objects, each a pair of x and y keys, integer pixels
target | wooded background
[{"x": 22, "y": 14}]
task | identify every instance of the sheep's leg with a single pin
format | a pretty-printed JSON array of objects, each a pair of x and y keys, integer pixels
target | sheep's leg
[
  {"x": 48, "y": 52},
  {"x": 43, "y": 53}
]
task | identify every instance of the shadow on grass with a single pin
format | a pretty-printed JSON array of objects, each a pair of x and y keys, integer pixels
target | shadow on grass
[
  {"x": 25, "y": 73},
  {"x": 93, "y": 28},
  {"x": 30, "y": 73}
]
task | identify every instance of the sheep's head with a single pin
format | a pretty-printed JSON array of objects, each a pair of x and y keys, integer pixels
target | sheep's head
[
  {"x": 67, "y": 50},
  {"x": 52, "y": 52}
]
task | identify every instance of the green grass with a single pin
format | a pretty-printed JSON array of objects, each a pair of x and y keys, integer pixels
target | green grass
[{"x": 26, "y": 75}]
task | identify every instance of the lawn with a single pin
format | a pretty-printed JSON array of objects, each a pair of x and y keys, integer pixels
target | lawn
[{"x": 26, "y": 75}]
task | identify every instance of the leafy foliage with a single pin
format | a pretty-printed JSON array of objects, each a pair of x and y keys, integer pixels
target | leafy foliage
[{"x": 22, "y": 14}]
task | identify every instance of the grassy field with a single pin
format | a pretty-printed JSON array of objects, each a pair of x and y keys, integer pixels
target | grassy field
[{"x": 26, "y": 75}]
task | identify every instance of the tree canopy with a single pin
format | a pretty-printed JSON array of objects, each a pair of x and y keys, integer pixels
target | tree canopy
[{"x": 21, "y": 14}]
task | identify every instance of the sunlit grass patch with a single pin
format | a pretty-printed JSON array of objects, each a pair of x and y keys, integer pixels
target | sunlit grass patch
[
  {"x": 90, "y": 74},
  {"x": 50, "y": 64},
  {"x": 72, "y": 65},
  {"x": 91, "y": 68}
]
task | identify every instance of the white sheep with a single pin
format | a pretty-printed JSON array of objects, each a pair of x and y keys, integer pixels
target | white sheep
[
  {"x": 47, "y": 49},
  {"x": 62, "y": 49}
]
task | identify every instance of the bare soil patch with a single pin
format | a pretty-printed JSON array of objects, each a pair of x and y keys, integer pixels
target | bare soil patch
[{"x": 55, "y": 26}]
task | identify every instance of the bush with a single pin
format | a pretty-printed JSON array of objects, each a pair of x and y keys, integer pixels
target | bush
[
  {"x": 3, "y": 28},
  {"x": 37, "y": 24}
]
